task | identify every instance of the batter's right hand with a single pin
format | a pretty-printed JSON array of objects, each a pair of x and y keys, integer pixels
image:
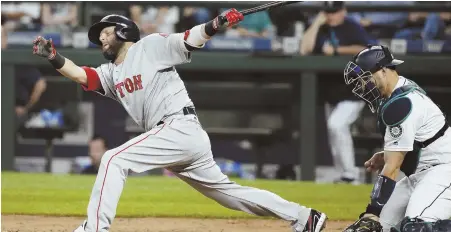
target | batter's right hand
[
  {"x": 376, "y": 163},
  {"x": 44, "y": 48}
]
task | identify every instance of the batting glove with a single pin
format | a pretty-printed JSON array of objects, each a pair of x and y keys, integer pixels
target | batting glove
[
  {"x": 44, "y": 48},
  {"x": 227, "y": 19}
]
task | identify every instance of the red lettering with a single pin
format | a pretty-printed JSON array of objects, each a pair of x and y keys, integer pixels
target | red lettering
[
  {"x": 138, "y": 82},
  {"x": 129, "y": 85},
  {"x": 119, "y": 88}
]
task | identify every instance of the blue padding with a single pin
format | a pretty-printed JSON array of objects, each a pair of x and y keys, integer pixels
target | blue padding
[{"x": 397, "y": 111}]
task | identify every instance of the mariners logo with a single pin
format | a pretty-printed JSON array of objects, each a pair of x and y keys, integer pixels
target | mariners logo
[{"x": 395, "y": 131}]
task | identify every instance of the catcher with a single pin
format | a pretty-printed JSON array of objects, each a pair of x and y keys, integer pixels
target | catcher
[{"x": 417, "y": 141}]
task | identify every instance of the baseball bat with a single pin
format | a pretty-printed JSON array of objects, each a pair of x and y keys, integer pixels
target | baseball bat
[{"x": 267, "y": 6}]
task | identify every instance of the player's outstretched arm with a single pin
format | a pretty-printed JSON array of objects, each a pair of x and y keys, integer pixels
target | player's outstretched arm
[
  {"x": 200, "y": 34},
  {"x": 66, "y": 67}
]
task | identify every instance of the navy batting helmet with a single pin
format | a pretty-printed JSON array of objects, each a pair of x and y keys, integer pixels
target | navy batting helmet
[
  {"x": 125, "y": 29},
  {"x": 359, "y": 72}
]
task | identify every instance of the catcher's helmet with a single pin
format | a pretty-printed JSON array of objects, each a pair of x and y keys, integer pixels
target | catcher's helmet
[
  {"x": 359, "y": 72},
  {"x": 126, "y": 29}
]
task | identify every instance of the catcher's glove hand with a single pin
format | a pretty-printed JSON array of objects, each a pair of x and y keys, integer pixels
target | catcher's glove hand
[
  {"x": 44, "y": 48},
  {"x": 365, "y": 224}
]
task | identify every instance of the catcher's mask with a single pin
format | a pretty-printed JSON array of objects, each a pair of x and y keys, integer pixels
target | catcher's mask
[{"x": 358, "y": 73}]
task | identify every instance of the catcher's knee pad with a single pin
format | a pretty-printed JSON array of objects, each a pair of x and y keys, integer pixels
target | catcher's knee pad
[{"x": 415, "y": 224}]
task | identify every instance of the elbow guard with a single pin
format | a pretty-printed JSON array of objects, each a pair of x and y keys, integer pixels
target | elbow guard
[
  {"x": 193, "y": 38},
  {"x": 382, "y": 190}
]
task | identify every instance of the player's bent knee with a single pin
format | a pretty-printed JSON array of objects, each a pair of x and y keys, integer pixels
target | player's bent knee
[{"x": 107, "y": 157}]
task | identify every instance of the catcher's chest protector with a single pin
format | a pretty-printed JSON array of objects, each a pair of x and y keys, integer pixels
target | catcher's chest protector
[{"x": 398, "y": 97}]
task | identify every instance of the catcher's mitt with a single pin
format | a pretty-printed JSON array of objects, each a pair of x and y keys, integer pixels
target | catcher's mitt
[{"x": 364, "y": 225}]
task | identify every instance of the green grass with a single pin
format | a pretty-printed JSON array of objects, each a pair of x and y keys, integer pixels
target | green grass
[{"x": 68, "y": 195}]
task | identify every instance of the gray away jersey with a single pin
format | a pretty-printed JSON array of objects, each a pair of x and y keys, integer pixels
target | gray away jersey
[{"x": 147, "y": 94}]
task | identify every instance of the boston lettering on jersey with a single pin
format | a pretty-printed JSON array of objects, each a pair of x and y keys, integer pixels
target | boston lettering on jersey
[{"x": 130, "y": 85}]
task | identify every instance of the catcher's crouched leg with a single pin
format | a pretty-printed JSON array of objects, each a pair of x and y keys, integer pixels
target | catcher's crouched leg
[{"x": 416, "y": 224}]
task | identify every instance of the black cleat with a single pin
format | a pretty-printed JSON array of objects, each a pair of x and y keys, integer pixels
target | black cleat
[{"x": 316, "y": 222}]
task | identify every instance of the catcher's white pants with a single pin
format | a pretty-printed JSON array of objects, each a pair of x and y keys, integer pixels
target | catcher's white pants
[
  {"x": 182, "y": 146},
  {"x": 339, "y": 123},
  {"x": 426, "y": 195}
]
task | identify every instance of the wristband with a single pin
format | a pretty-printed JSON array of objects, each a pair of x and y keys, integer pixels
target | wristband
[
  {"x": 58, "y": 61},
  {"x": 209, "y": 28},
  {"x": 383, "y": 188}
]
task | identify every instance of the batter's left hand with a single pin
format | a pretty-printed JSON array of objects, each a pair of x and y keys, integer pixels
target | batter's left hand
[
  {"x": 44, "y": 48},
  {"x": 227, "y": 19}
]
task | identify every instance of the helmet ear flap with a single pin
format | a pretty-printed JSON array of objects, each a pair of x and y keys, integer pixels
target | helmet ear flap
[{"x": 121, "y": 31}]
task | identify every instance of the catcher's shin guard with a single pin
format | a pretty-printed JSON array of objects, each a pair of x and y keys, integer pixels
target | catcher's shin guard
[
  {"x": 442, "y": 225},
  {"x": 416, "y": 224}
]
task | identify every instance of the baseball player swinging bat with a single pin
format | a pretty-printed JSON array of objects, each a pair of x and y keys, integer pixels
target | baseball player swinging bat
[{"x": 140, "y": 74}]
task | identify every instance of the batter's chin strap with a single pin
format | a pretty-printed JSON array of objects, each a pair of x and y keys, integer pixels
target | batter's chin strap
[{"x": 382, "y": 190}]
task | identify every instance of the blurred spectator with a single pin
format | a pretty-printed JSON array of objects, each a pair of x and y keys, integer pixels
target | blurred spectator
[
  {"x": 286, "y": 172},
  {"x": 446, "y": 16},
  {"x": 290, "y": 21},
  {"x": 381, "y": 24},
  {"x": 193, "y": 16},
  {"x": 257, "y": 25},
  {"x": 29, "y": 88},
  {"x": 423, "y": 25},
  {"x": 97, "y": 147},
  {"x": 153, "y": 20},
  {"x": 4, "y": 33},
  {"x": 59, "y": 17},
  {"x": 332, "y": 33},
  {"x": 29, "y": 85},
  {"x": 22, "y": 15}
]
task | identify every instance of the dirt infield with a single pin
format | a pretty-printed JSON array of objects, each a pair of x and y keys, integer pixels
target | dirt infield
[{"x": 21, "y": 223}]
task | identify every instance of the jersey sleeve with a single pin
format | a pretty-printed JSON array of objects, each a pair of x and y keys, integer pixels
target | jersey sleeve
[
  {"x": 166, "y": 50},
  {"x": 400, "y": 137},
  {"x": 100, "y": 80}
]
